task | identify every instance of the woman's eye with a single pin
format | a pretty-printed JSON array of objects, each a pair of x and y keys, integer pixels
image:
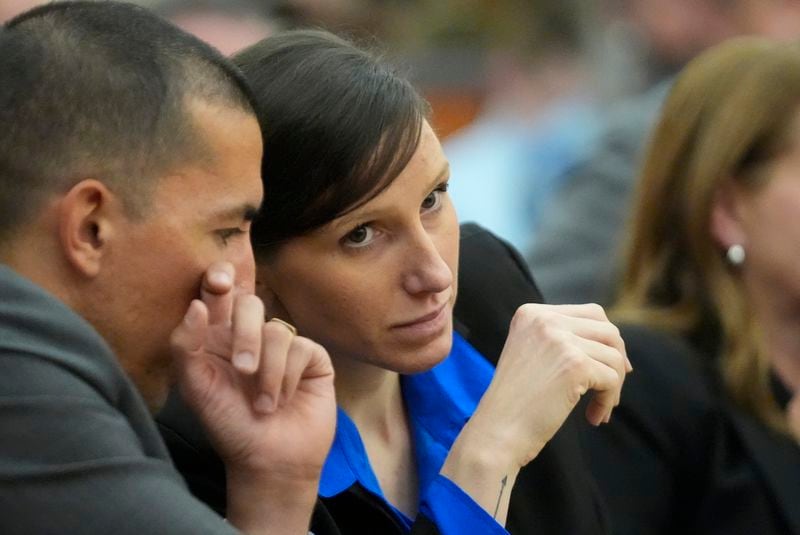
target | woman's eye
[
  {"x": 359, "y": 236},
  {"x": 431, "y": 201},
  {"x": 434, "y": 198}
]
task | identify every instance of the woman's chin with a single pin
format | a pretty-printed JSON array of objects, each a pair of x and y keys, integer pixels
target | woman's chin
[{"x": 423, "y": 358}]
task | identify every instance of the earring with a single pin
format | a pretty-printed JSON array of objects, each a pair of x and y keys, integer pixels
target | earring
[{"x": 735, "y": 254}]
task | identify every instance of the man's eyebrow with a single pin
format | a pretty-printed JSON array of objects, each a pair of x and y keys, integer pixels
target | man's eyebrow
[
  {"x": 247, "y": 212},
  {"x": 250, "y": 212}
]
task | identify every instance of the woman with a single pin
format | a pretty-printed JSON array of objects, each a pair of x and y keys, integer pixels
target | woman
[
  {"x": 358, "y": 246},
  {"x": 711, "y": 298}
]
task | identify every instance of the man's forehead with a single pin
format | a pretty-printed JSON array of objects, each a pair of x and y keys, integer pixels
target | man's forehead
[
  {"x": 224, "y": 183},
  {"x": 200, "y": 194}
]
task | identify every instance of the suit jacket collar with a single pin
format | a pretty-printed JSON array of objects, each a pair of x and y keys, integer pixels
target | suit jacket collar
[{"x": 777, "y": 460}]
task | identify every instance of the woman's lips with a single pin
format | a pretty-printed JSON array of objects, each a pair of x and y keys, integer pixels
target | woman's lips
[{"x": 429, "y": 324}]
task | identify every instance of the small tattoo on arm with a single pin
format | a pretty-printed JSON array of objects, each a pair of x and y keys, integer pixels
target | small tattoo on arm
[{"x": 503, "y": 483}]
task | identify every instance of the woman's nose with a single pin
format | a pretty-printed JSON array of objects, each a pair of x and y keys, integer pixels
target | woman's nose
[{"x": 427, "y": 271}]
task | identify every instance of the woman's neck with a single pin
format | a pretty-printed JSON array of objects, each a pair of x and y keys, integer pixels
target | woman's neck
[
  {"x": 370, "y": 395},
  {"x": 372, "y": 398},
  {"x": 779, "y": 319}
]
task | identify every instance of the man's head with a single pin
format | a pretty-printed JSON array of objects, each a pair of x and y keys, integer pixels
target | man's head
[{"x": 129, "y": 162}]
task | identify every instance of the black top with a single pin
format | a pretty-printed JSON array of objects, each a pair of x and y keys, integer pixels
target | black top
[
  {"x": 678, "y": 457},
  {"x": 553, "y": 494}
]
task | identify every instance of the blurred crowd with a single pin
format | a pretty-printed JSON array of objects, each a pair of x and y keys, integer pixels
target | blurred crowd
[{"x": 543, "y": 105}]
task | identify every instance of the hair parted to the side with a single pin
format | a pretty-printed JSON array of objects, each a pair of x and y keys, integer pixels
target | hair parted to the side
[
  {"x": 100, "y": 90},
  {"x": 730, "y": 113},
  {"x": 339, "y": 124}
]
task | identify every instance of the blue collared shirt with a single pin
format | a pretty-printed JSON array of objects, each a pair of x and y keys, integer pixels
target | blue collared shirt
[{"x": 439, "y": 403}]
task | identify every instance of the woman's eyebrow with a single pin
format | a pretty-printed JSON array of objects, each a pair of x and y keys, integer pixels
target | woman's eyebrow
[{"x": 350, "y": 218}]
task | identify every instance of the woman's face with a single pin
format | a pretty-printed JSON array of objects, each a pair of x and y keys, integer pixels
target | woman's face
[
  {"x": 768, "y": 226},
  {"x": 378, "y": 284}
]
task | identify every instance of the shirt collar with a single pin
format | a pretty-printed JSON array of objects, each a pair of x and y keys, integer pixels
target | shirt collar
[{"x": 439, "y": 401}]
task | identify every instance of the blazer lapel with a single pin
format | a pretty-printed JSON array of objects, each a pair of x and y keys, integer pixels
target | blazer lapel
[{"x": 778, "y": 462}]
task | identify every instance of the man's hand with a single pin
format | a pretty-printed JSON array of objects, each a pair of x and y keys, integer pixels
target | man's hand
[{"x": 265, "y": 397}]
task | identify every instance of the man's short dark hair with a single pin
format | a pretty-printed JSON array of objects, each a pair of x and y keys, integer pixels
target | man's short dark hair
[{"x": 100, "y": 90}]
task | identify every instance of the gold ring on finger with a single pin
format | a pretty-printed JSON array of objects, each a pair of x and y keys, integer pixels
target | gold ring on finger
[{"x": 286, "y": 324}]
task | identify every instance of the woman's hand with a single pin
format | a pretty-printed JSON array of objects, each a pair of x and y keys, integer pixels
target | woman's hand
[{"x": 553, "y": 355}]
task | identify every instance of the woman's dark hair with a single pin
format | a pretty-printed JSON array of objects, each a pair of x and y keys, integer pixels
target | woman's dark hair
[{"x": 338, "y": 123}]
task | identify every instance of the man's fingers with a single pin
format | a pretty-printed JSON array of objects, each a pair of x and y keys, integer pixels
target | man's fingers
[
  {"x": 307, "y": 363},
  {"x": 301, "y": 352},
  {"x": 286, "y": 324},
  {"x": 276, "y": 340},
  {"x": 189, "y": 335},
  {"x": 217, "y": 293},
  {"x": 248, "y": 320},
  {"x": 187, "y": 342}
]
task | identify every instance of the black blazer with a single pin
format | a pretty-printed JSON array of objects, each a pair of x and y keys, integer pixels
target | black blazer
[
  {"x": 679, "y": 458},
  {"x": 553, "y": 494}
]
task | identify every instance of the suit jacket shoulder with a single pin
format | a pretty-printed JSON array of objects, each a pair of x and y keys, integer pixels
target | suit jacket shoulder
[
  {"x": 556, "y": 492},
  {"x": 493, "y": 281},
  {"x": 79, "y": 452},
  {"x": 776, "y": 465},
  {"x": 674, "y": 458}
]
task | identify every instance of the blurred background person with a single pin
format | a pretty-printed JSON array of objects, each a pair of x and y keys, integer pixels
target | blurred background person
[
  {"x": 574, "y": 252},
  {"x": 228, "y": 25},
  {"x": 537, "y": 116},
  {"x": 518, "y": 88},
  {"x": 706, "y": 437},
  {"x": 11, "y": 8}
]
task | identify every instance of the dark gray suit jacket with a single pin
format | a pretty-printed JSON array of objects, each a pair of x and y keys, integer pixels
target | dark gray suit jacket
[{"x": 79, "y": 451}]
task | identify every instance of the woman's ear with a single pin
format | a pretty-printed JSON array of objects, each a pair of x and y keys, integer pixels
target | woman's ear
[
  {"x": 273, "y": 307},
  {"x": 726, "y": 217}
]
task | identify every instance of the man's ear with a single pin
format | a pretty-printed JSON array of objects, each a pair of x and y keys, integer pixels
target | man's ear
[
  {"x": 726, "y": 217},
  {"x": 86, "y": 215},
  {"x": 273, "y": 306}
]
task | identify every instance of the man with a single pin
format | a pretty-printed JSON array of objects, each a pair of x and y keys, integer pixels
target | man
[{"x": 129, "y": 173}]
